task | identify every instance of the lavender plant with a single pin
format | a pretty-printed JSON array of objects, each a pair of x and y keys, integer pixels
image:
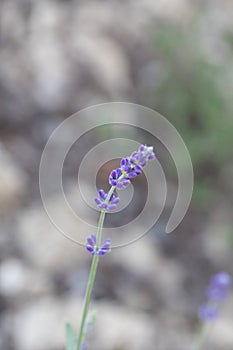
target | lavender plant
[
  {"x": 216, "y": 292},
  {"x": 130, "y": 167},
  {"x": 119, "y": 178}
]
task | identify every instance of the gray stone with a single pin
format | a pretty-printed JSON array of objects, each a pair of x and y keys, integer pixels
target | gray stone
[
  {"x": 12, "y": 182},
  {"x": 17, "y": 280}
]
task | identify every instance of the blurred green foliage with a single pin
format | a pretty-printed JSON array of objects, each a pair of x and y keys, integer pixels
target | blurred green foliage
[
  {"x": 192, "y": 97},
  {"x": 230, "y": 237}
]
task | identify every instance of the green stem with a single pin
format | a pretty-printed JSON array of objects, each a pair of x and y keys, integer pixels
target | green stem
[
  {"x": 200, "y": 337},
  {"x": 87, "y": 298},
  {"x": 93, "y": 270}
]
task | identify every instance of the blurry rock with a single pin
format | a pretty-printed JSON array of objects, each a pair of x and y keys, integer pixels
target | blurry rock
[
  {"x": 40, "y": 326},
  {"x": 216, "y": 239},
  {"x": 222, "y": 337},
  {"x": 48, "y": 60},
  {"x": 121, "y": 328},
  {"x": 43, "y": 245},
  {"x": 12, "y": 182},
  {"x": 129, "y": 257},
  {"x": 104, "y": 61},
  {"x": 18, "y": 280},
  {"x": 164, "y": 277},
  {"x": 71, "y": 54}
]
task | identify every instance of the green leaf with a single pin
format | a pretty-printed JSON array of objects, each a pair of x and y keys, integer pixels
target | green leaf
[{"x": 71, "y": 339}]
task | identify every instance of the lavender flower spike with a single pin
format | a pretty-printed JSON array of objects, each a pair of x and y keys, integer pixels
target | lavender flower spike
[
  {"x": 94, "y": 250},
  {"x": 216, "y": 292},
  {"x": 102, "y": 202},
  {"x": 219, "y": 286},
  {"x": 208, "y": 312}
]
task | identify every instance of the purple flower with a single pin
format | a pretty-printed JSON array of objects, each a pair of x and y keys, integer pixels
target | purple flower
[
  {"x": 219, "y": 286},
  {"x": 102, "y": 202},
  {"x": 91, "y": 243},
  {"x": 208, "y": 312},
  {"x": 104, "y": 248},
  {"x": 93, "y": 249},
  {"x": 216, "y": 292},
  {"x": 83, "y": 346},
  {"x": 130, "y": 169},
  {"x": 132, "y": 166},
  {"x": 143, "y": 155},
  {"x": 115, "y": 180}
]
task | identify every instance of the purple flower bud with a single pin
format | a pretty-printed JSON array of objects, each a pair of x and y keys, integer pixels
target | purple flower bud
[
  {"x": 114, "y": 176},
  {"x": 216, "y": 292},
  {"x": 222, "y": 279},
  {"x": 104, "y": 248},
  {"x": 114, "y": 180},
  {"x": 219, "y": 286},
  {"x": 125, "y": 165},
  {"x": 91, "y": 243},
  {"x": 143, "y": 155},
  {"x": 83, "y": 346},
  {"x": 208, "y": 312},
  {"x": 102, "y": 202},
  {"x": 130, "y": 169}
]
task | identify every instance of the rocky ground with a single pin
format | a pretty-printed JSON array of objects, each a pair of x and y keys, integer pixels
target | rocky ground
[{"x": 56, "y": 58}]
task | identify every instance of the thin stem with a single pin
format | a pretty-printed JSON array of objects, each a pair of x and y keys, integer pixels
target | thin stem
[
  {"x": 100, "y": 227},
  {"x": 93, "y": 270},
  {"x": 200, "y": 337},
  {"x": 87, "y": 298}
]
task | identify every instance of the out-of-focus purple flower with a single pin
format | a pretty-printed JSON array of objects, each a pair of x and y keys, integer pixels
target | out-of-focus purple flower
[
  {"x": 115, "y": 180},
  {"x": 216, "y": 292},
  {"x": 102, "y": 202},
  {"x": 93, "y": 249},
  {"x": 83, "y": 346},
  {"x": 208, "y": 311},
  {"x": 219, "y": 286}
]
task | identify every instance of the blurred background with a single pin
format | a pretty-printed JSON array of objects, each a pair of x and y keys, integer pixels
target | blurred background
[{"x": 57, "y": 57}]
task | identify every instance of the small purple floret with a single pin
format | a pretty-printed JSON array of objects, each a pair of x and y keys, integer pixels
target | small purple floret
[
  {"x": 133, "y": 165},
  {"x": 104, "y": 248},
  {"x": 83, "y": 346},
  {"x": 91, "y": 243},
  {"x": 143, "y": 155},
  {"x": 222, "y": 279},
  {"x": 130, "y": 169},
  {"x": 114, "y": 180},
  {"x": 208, "y": 312},
  {"x": 114, "y": 176},
  {"x": 102, "y": 202},
  {"x": 219, "y": 285}
]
